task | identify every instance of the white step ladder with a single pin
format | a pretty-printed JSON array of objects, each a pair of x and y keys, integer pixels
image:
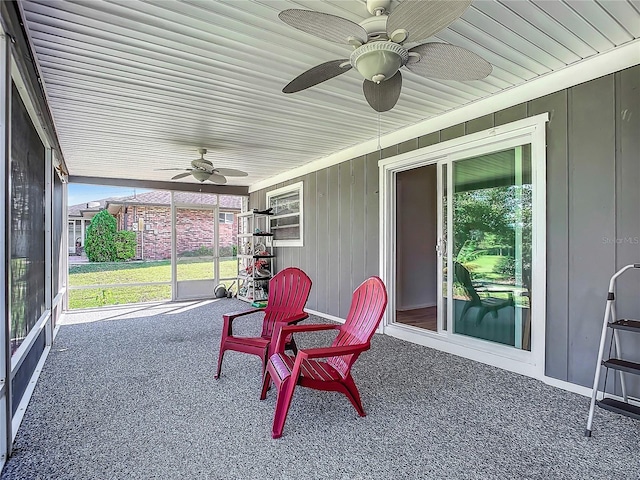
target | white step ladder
[{"x": 617, "y": 363}]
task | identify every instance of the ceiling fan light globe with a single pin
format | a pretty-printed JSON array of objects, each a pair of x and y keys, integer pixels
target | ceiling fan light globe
[
  {"x": 200, "y": 175},
  {"x": 378, "y": 60}
]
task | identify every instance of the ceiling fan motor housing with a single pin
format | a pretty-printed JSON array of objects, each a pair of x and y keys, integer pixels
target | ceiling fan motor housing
[
  {"x": 376, "y": 27},
  {"x": 203, "y": 165},
  {"x": 377, "y": 61}
]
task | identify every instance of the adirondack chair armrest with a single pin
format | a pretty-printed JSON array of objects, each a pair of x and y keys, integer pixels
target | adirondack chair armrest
[
  {"x": 508, "y": 292},
  {"x": 293, "y": 319},
  {"x": 228, "y": 319},
  {"x": 308, "y": 328},
  {"x": 234, "y": 315},
  {"x": 285, "y": 330},
  {"x": 333, "y": 351}
]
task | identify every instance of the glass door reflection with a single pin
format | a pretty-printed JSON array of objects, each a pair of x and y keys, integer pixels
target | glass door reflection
[{"x": 490, "y": 248}]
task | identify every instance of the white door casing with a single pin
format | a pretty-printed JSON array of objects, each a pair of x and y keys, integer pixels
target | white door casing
[{"x": 527, "y": 131}]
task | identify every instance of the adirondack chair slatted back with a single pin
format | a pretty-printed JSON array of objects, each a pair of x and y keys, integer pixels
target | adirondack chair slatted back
[
  {"x": 367, "y": 307},
  {"x": 464, "y": 277},
  {"x": 288, "y": 293}
]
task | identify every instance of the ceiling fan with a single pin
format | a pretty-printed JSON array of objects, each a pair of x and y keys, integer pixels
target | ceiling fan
[
  {"x": 379, "y": 51},
  {"x": 203, "y": 170}
]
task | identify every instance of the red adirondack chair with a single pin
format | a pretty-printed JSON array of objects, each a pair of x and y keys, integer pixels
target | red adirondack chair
[
  {"x": 288, "y": 293},
  {"x": 334, "y": 372}
]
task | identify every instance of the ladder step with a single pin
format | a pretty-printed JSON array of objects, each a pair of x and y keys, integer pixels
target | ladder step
[
  {"x": 622, "y": 408},
  {"x": 633, "y": 325},
  {"x": 622, "y": 365}
]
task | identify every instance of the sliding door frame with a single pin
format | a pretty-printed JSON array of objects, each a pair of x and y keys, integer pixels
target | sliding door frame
[{"x": 527, "y": 131}]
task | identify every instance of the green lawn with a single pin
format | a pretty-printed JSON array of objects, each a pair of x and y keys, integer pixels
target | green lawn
[
  {"x": 195, "y": 268},
  {"x": 485, "y": 266}
]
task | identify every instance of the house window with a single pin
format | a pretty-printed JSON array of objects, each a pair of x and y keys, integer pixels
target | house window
[
  {"x": 287, "y": 220},
  {"x": 225, "y": 217}
]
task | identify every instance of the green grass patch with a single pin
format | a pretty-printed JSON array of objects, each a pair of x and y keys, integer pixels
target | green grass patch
[
  {"x": 100, "y": 297},
  {"x": 151, "y": 271},
  {"x": 485, "y": 266},
  {"x": 110, "y": 273},
  {"x": 193, "y": 268}
]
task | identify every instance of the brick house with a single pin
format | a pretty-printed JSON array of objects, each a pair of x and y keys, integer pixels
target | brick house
[{"x": 149, "y": 214}]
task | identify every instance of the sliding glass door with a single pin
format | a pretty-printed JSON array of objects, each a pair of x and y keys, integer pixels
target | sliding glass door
[
  {"x": 486, "y": 204},
  {"x": 486, "y": 246}
]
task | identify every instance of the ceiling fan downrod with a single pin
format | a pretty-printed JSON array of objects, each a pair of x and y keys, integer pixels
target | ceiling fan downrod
[{"x": 378, "y": 7}]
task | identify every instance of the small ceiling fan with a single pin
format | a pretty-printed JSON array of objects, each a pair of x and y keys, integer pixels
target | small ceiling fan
[
  {"x": 203, "y": 170},
  {"x": 379, "y": 50}
]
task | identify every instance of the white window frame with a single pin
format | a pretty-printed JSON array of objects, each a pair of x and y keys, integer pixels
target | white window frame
[
  {"x": 227, "y": 215},
  {"x": 295, "y": 187},
  {"x": 530, "y": 130}
]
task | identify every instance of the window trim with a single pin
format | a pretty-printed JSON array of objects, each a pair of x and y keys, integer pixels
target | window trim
[
  {"x": 226, "y": 214},
  {"x": 295, "y": 187}
]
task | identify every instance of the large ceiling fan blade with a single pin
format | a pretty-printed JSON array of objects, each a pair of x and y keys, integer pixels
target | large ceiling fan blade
[
  {"x": 230, "y": 172},
  {"x": 448, "y": 62},
  {"x": 181, "y": 175},
  {"x": 424, "y": 18},
  {"x": 219, "y": 179},
  {"x": 175, "y": 169},
  {"x": 318, "y": 74},
  {"x": 323, "y": 25},
  {"x": 383, "y": 96}
]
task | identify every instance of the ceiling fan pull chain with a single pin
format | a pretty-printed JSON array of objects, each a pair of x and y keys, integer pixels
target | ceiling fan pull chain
[{"x": 379, "y": 145}]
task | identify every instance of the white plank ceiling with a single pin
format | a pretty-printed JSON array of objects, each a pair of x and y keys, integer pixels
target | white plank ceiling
[{"x": 139, "y": 85}]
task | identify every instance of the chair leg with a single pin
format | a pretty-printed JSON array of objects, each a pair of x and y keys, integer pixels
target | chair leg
[
  {"x": 465, "y": 309},
  {"x": 482, "y": 311},
  {"x": 285, "y": 392},
  {"x": 351, "y": 391},
  {"x": 220, "y": 356},
  {"x": 292, "y": 345},
  {"x": 266, "y": 385},
  {"x": 265, "y": 359}
]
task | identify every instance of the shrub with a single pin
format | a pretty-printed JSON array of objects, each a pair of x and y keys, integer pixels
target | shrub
[
  {"x": 125, "y": 245},
  {"x": 506, "y": 266},
  {"x": 204, "y": 251},
  {"x": 201, "y": 251},
  {"x": 228, "y": 251},
  {"x": 99, "y": 243}
]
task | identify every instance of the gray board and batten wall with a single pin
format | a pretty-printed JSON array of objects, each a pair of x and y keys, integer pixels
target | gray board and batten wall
[{"x": 593, "y": 217}]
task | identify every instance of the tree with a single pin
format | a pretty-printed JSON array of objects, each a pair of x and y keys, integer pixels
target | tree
[
  {"x": 482, "y": 215},
  {"x": 99, "y": 243},
  {"x": 487, "y": 220},
  {"x": 125, "y": 245}
]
